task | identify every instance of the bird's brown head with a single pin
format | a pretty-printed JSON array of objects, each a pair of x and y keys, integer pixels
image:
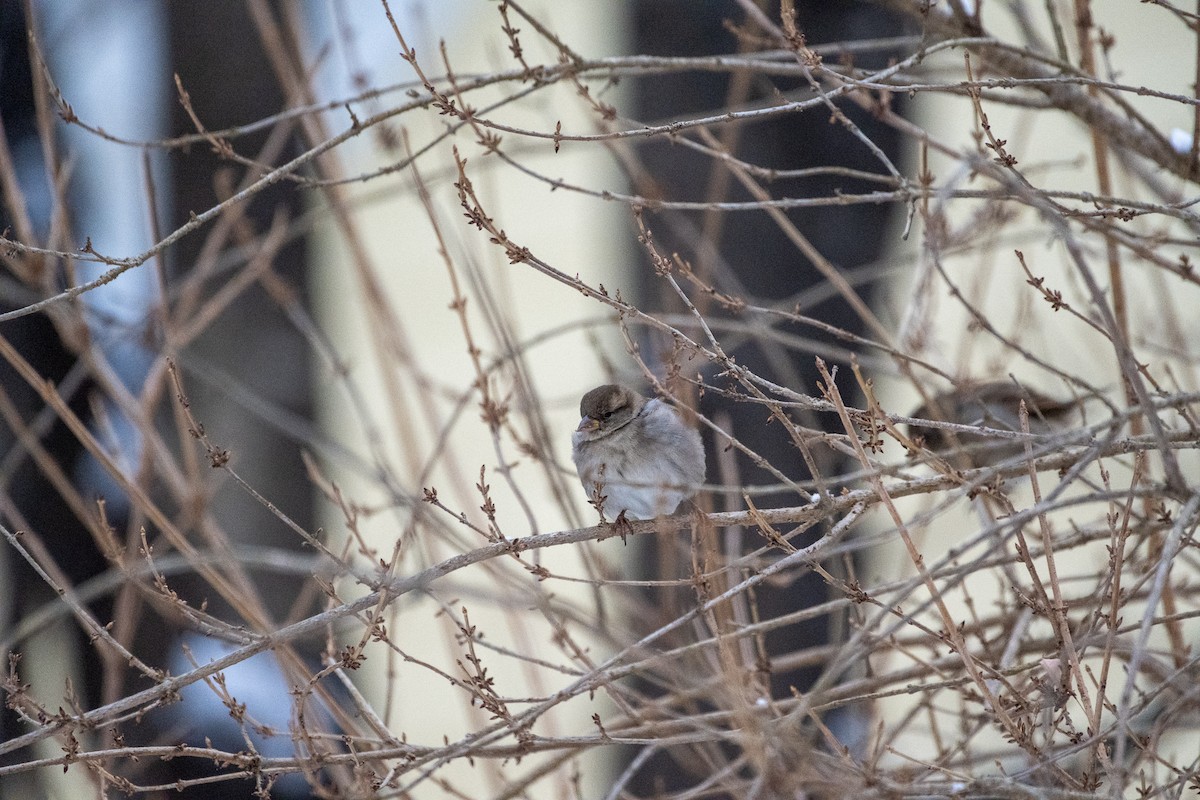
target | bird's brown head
[{"x": 608, "y": 407}]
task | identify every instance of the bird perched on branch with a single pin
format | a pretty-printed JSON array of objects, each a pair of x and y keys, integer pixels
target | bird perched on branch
[
  {"x": 637, "y": 458},
  {"x": 994, "y": 404}
]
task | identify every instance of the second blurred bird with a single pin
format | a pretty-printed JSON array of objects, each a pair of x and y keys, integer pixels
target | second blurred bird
[{"x": 994, "y": 405}]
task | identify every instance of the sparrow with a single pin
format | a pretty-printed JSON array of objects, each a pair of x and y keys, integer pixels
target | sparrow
[
  {"x": 636, "y": 458},
  {"x": 994, "y": 404}
]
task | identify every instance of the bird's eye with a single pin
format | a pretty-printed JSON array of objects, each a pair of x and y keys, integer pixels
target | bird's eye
[{"x": 606, "y": 415}]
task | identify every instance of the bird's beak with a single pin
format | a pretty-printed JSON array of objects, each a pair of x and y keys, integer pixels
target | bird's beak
[{"x": 588, "y": 424}]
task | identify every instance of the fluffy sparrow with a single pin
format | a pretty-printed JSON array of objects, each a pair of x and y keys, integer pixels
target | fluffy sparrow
[
  {"x": 991, "y": 405},
  {"x": 635, "y": 456}
]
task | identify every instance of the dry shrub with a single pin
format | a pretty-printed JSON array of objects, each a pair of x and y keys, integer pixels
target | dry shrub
[{"x": 1016, "y": 610}]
